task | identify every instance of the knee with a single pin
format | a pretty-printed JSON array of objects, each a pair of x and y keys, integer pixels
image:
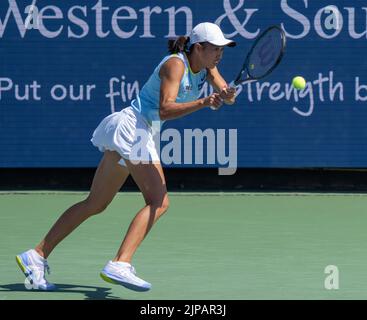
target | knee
[
  {"x": 165, "y": 204},
  {"x": 94, "y": 207},
  {"x": 162, "y": 205}
]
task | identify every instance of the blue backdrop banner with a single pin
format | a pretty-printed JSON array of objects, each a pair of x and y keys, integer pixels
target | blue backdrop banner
[{"x": 65, "y": 65}]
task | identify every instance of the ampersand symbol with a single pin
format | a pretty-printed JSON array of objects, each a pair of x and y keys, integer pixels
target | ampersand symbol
[{"x": 239, "y": 27}]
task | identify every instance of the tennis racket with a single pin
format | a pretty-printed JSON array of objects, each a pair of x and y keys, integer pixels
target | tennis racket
[{"x": 265, "y": 55}]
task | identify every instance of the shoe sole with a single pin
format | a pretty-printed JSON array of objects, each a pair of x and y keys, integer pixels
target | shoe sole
[
  {"x": 21, "y": 265},
  {"x": 126, "y": 285},
  {"x": 107, "y": 279},
  {"x": 23, "y": 268}
]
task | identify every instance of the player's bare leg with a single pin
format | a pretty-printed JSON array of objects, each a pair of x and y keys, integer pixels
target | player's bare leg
[
  {"x": 151, "y": 181},
  {"x": 108, "y": 179}
]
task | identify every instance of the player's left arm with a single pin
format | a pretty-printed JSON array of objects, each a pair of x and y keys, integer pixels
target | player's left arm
[{"x": 227, "y": 93}]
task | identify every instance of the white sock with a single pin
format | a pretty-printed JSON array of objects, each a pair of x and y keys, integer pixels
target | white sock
[
  {"x": 121, "y": 264},
  {"x": 36, "y": 256}
]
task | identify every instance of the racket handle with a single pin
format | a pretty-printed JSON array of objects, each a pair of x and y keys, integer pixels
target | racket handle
[{"x": 216, "y": 109}]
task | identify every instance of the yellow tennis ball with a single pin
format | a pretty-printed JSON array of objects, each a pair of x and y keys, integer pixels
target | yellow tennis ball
[{"x": 299, "y": 83}]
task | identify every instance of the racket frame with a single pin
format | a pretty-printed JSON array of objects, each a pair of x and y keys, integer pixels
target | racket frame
[{"x": 244, "y": 69}]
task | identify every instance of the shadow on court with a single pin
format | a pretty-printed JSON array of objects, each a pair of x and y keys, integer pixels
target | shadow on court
[{"x": 90, "y": 292}]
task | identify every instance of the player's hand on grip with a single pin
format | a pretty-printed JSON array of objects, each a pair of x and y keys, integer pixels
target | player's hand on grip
[
  {"x": 228, "y": 94},
  {"x": 214, "y": 101}
]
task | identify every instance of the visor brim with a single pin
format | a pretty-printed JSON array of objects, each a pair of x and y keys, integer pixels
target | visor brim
[{"x": 224, "y": 43}]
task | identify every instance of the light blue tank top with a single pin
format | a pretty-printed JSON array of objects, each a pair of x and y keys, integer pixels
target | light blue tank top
[{"x": 147, "y": 102}]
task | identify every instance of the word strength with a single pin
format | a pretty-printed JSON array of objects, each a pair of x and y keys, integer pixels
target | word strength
[{"x": 323, "y": 89}]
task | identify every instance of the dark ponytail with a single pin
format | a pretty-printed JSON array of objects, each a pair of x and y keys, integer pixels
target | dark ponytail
[{"x": 178, "y": 45}]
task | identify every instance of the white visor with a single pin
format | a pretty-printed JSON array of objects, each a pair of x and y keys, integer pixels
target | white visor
[{"x": 210, "y": 32}]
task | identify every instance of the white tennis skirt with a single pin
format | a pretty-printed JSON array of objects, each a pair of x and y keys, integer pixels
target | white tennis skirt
[{"x": 127, "y": 133}]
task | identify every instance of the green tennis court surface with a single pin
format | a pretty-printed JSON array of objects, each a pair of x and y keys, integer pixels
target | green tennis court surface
[{"x": 208, "y": 246}]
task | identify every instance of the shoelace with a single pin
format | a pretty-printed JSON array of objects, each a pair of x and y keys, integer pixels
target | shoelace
[
  {"x": 47, "y": 268},
  {"x": 133, "y": 270},
  {"x": 123, "y": 270}
]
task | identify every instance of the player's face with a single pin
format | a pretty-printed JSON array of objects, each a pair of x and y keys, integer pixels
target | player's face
[{"x": 211, "y": 55}]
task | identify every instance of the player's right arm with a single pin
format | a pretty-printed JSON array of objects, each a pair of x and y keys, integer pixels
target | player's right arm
[
  {"x": 171, "y": 74},
  {"x": 227, "y": 93}
]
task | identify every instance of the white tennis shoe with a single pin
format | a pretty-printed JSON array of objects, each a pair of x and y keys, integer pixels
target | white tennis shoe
[
  {"x": 34, "y": 267},
  {"x": 124, "y": 274}
]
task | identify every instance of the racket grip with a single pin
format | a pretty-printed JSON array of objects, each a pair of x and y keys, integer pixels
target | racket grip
[{"x": 216, "y": 109}]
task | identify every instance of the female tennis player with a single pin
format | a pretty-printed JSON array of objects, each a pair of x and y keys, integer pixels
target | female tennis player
[{"x": 171, "y": 92}]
